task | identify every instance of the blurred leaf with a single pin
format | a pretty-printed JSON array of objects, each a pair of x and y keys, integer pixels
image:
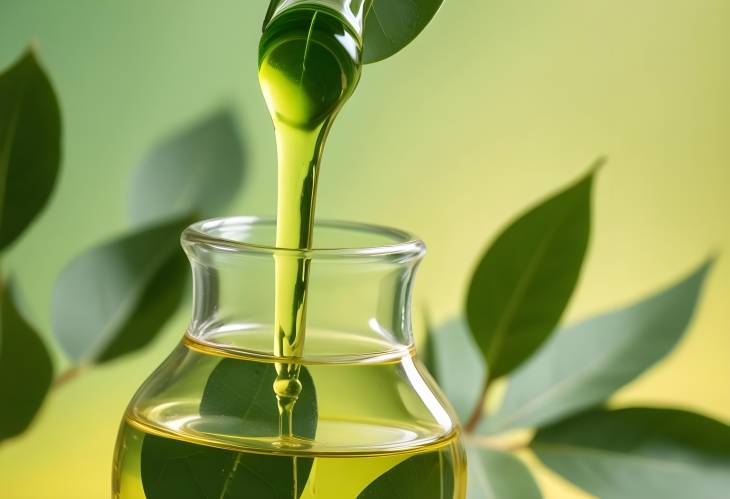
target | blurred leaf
[
  {"x": 460, "y": 369},
  {"x": 494, "y": 474},
  {"x": 160, "y": 299},
  {"x": 30, "y": 145},
  {"x": 639, "y": 453},
  {"x": 173, "y": 469},
  {"x": 197, "y": 171},
  {"x": 427, "y": 352},
  {"x": 390, "y": 25},
  {"x": 586, "y": 363},
  {"x": 526, "y": 278},
  {"x": 423, "y": 476},
  {"x": 240, "y": 391},
  {"x": 18, "y": 299},
  {"x": 114, "y": 298},
  {"x": 26, "y": 370}
]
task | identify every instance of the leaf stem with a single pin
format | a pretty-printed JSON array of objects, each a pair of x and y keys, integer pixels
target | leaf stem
[
  {"x": 69, "y": 374},
  {"x": 231, "y": 475},
  {"x": 506, "y": 445},
  {"x": 478, "y": 411}
]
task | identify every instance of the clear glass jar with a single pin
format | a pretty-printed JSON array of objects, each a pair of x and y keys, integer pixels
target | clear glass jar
[{"x": 205, "y": 424}]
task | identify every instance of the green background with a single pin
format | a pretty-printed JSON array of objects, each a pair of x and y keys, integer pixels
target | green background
[{"x": 496, "y": 104}]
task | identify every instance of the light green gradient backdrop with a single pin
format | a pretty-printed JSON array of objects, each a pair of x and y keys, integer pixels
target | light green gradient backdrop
[{"x": 495, "y": 105}]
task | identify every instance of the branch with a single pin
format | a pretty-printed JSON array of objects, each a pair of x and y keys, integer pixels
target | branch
[
  {"x": 478, "y": 411},
  {"x": 69, "y": 374},
  {"x": 500, "y": 443}
]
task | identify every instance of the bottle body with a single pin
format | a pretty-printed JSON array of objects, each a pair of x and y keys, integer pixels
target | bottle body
[
  {"x": 206, "y": 424},
  {"x": 369, "y": 421}
]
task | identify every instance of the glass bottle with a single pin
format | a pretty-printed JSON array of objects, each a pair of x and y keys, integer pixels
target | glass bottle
[
  {"x": 353, "y": 12},
  {"x": 368, "y": 417}
]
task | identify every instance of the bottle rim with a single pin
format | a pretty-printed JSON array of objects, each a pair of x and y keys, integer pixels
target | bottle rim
[
  {"x": 218, "y": 235},
  {"x": 354, "y": 18}
]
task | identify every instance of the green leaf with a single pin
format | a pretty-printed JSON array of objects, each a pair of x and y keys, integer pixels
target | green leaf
[
  {"x": 18, "y": 299},
  {"x": 586, "y": 363},
  {"x": 197, "y": 171},
  {"x": 526, "y": 278},
  {"x": 114, "y": 298},
  {"x": 26, "y": 370},
  {"x": 494, "y": 474},
  {"x": 239, "y": 392},
  {"x": 427, "y": 352},
  {"x": 172, "y": 469},
  {"x": 390, "y": 25},
  {"x": 424, "y": 476},
  {"x": 459, "y": 367},
  {"x": 640, "y": 453},
  {"x": 243, "y": 391},
  {"x": 30, "y": 145}
]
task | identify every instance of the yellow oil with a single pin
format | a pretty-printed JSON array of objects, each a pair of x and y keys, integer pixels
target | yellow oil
[
  {"x": 330, "y": 477},
  {"x": 369, "y": 421},
  {"x": 309, "y": 65}
]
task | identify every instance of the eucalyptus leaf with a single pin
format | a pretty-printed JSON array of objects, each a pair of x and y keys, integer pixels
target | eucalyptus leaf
[
  {"x": 26, "y": 370},
  {"x": 583, "y": 365},
  {"x": 242, "y": 391},
  {"x": 427, "y": 352},
  {"x": 390, "y": 25},
  {"x": 173, "y": 469},
  {"x": 198, "y": 171},
  {"x": 19, "y": 300},
  {"x": 424, "y": 476},
  {"x": 239, "y": 391},
  {"x": 494, "y": 474},
  {"x": 460, "y": 369},
  {"x": 30, "y": 145},
  {"x": 639, "y": 453},
  {"x": 526, "y": 278},
  {"x": 114, "y": 298}
]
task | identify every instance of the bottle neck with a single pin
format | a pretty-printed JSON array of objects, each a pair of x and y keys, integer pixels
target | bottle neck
[
  {"x": 352, "y": 11},
  {"x": 359, "y": 299}
]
